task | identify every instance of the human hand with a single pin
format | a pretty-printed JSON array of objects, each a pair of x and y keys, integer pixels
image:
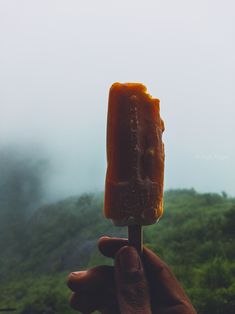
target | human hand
[{"x": 134, "y": 285}]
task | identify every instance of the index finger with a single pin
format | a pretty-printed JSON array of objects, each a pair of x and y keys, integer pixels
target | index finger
[{"x": 110, "y": 246}]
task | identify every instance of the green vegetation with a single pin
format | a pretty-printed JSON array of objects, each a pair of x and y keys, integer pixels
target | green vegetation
[{"x": 195, "y": 237}]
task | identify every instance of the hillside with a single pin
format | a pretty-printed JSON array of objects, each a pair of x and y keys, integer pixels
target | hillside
[{"x": 195, "y": 237}]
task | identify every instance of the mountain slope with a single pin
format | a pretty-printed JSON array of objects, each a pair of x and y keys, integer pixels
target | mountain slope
[{"x": 195, "y": 237}]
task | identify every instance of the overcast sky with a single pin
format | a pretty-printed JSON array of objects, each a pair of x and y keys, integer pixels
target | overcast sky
[{"x": 59, "y": 58}]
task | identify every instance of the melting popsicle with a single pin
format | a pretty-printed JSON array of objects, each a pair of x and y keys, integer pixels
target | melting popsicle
[{"x": 135, "y": 157}]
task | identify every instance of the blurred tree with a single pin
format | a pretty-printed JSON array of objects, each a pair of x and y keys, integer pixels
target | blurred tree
[{"x": 224, "y": 194}]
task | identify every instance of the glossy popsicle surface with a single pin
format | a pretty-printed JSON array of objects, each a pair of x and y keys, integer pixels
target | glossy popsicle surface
[{"x": 135, "y": 156}]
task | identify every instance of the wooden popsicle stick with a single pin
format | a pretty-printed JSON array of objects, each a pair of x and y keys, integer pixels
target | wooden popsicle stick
[{"x": 135, "y": 237}]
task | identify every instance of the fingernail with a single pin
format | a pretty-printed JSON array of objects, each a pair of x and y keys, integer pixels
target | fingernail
[
  {"x": 78, "y": 274},
  {"x": 129, "y": 259},
  {"x": 105, "y": 237}
]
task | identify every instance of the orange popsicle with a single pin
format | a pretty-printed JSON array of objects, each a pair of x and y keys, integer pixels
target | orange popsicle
[{"x": 135, "y": 156}]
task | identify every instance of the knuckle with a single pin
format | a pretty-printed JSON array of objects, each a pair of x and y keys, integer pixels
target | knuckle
[
  {"x": 132, "y": 277},
  {"x": 134, "y": 296}
]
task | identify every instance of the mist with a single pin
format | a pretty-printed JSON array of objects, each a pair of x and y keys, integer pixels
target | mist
[{"x": 58, "y": 60}]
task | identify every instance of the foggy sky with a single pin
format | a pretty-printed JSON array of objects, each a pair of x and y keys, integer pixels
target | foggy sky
[{"x": 59, "y": 58}]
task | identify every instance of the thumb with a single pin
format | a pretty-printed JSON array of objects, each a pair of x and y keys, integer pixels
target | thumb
[{"x": 131, "y": 284}]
